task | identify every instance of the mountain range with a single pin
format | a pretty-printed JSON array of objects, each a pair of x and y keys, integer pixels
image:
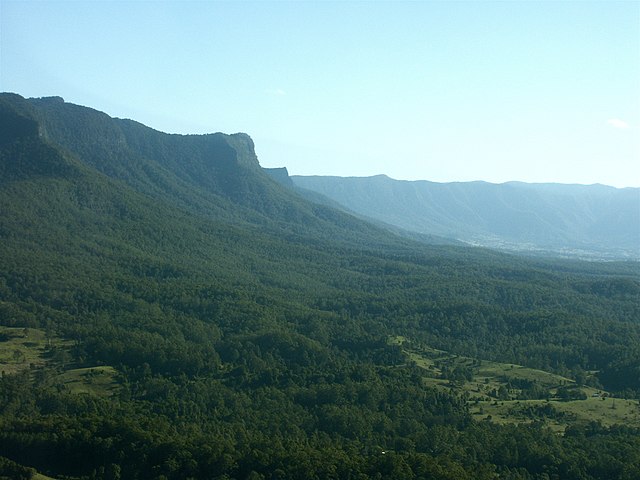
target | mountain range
[
  {"x": 592, "y": 221},
  {"x": 169, "y": 310}
]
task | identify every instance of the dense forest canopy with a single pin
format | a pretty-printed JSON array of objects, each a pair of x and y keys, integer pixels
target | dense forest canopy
[{"x": 168, "y": 310}]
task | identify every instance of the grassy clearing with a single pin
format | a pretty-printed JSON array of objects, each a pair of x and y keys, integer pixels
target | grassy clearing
[
  {"x": 492, "y": 370},
  {"x": 32, "y": 349},
  {"x": 100, "y": 381},
  {"x": 608, "y": 411},
  {"x": 23, "y": 348},
  {"x": 508, "y": 393},
  {"x": 559, "y": 414},
  {"x": 39, "y": 476}
]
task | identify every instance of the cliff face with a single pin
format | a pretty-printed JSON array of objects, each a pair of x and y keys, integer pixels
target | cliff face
[
  {"x": 216, "y": 175},
  {"x": 129, "y": 151}
]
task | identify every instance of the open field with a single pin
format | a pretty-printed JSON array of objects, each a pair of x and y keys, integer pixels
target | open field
[
  {"x": 24, "y": 348},
  {"x": 100, "y": 381},
  {"x": 508, "y": 393},
  {"x": 31, "y": 349}
]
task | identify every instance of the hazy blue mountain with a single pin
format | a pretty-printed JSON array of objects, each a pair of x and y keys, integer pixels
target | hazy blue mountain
[
  {"x": 281, "y": 175},
  {"x": 584, "y": 220}
]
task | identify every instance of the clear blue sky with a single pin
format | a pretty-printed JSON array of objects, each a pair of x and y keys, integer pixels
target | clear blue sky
[{"x": 442, "y": 91}]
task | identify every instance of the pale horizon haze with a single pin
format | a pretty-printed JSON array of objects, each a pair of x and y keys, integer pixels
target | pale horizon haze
[{"x": 441, "y": 91}]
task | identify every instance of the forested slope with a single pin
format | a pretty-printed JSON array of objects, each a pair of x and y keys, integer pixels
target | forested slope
[{"x": 250, "y": 331}]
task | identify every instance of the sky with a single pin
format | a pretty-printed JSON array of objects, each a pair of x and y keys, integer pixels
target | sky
[{"x": 424, "y": 90}]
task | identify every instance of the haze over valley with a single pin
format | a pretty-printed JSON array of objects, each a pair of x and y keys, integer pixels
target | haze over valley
[{"x": 588, "y": 221}]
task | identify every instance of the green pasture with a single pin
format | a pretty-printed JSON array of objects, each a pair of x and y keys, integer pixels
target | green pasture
[
  {"x": 488, "y": 377},
  {"x": 23, "y": 348},
  {"x": 33, "y": 349},
  {"x": 100, "y": 381}
]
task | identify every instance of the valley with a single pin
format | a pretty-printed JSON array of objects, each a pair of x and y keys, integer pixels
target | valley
[
  {"x": 590, "y": 222},
  {"x": 169, "y": 311}
]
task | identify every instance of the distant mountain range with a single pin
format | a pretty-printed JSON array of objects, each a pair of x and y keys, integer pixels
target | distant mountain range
[{"x": 574, "y": 220}]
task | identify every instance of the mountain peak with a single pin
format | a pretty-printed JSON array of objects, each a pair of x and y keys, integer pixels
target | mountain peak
[
  {"x": 132, "y": 152},
  {"x": 280, "y": 175}
]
